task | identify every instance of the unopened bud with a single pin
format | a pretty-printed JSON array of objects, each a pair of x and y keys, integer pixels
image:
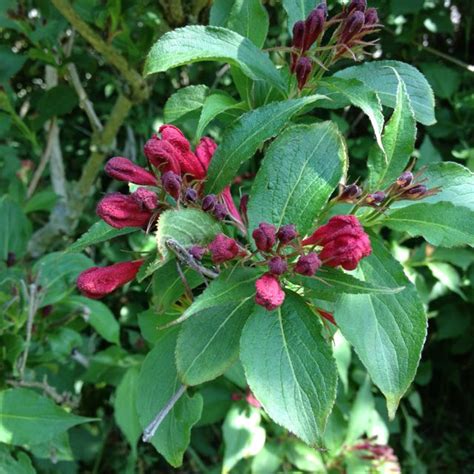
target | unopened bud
[
  {"x": 313, "y": 27},
  {"x": 353, "y": 25},
  {"x": 308, "y": 264},
  {"x": 375, "y": 199},
  {"x": 303, "y": 70},
  {"x": 264, "y": 236},
  {"x": 197, "y": 251},
  {"x": 209, "y": 202},
  {"x": 191, "y": 195},
  {"x": 416, "y": 192},
  {"x": 357, "y": 5},
  {"x": 220, "y": 211},
  {"x": 298, "y": 34},
  {"x": 277, "y": 266},
  {"x": 350, "y": 193},
  {"x": 371, "y": 17},
  {"x": 171, "y": 183},
  {"x": 405, "y": 179},
  {"x": 286, "y": 233}
]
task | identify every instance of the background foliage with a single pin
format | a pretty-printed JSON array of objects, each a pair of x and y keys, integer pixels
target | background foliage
[{"x": 67, "y": 104}]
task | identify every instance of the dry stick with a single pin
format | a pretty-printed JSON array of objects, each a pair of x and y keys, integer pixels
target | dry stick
[
  {"x": 47, "y": 389},
  {"x": 150, "y": 430}
]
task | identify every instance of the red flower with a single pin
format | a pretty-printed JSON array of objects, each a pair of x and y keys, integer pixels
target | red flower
[
  {"x": 224, "y": 248},
  {"x": 343, "y": 240},
  {"x": 97, "y": 282},
  {"x": 123, "y": 169},
  {"x": 269, "y": 293},
  {"x": 134, "y": 210}
]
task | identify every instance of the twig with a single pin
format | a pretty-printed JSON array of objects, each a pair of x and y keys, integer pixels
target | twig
[
  {"x": 47, "y": 389},
  {"x": 187, "y": 288},
  {"x": 80, "y": 358},
  {"x": 185, "y": 257},
  {"x": 150, "y": 430}
]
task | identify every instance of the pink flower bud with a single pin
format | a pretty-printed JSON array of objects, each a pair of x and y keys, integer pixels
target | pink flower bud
[
  {"x": 371, "y": 17},
  {"x": 376, "y": 198},
  {"x": 162, "y": 155},
  {"x": 209, "y": 202},
  {"x": 220, "y": 211},
  {"x": 264, "y": 236},
  {"x": 286, "y": 233},
  {"x": 230, "y": 206},
  {"x": 308, "y": 264},
  {"x": 357, "y": 5},
  {"x": 171, "y": 183},
  {"x": 197, "y": 251},
  {"x": 303, "y": 70},
  {"x": 269, "y": 293},
  {"x": 97, "y": 282},
  {"x": 405, "y": 179},
  {"x": 416, "y": 192},
  {"x": 224, "y": 248},
  {"x": 298, "y": 34},
  {"x": 243, "y": 205},
  {"x": 314, "y": 25},
  {"x": 205, "y": 151},
  {"x": 123, "y": 169},
  {"x": 146, "y": 198},
  {"x": 277, "y": 265},
  {"x": 350, "y": 193},
  {"x": 352, "y": 26},
  {"x": 343, "y": 240},
  {"x": 120, "y": 210},
  {"x": 191, "y": 195}
]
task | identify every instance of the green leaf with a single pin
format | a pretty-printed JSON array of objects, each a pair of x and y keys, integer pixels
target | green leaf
[
  {"x": 303, "y": 457},
  {"x": 15, "y": 228},
  {"x": 250, "y": 19},
  {"x": 297, "y": 10},
  {"x": 125, "y": 411},
  {"x": 157, "y": 384},
  {"x": 10, "y": 62},
  {"x": 290, "y": 368},
  {"x": 210, "y": 43},
  {"x": 10, "y": 465},
  {"x": 59, "y": 100},
  {"x": 187, "y": 226},
  {"x": 241, "y": 141},
  {"x": 398, "y": 142},
  {"x": 185, "y": 100},
  {"x": 208, "y": 342},
  {"x": 337, "y": 281},
  {"x": 29, "y": 418},
  {"x": 381, "y": 78},
  {"x": 243, "y": 435},
  {"x": 387, "y": 331},
  {"x": 99, "y": 316},
  {"x": 220, "y": 11},
  {"x": 444, "y": 80},
  {"x": 339, "y": 91},
  {"x": 441, "y": 224},
  {"x": 213, "y": 106},
  {"x": 99, "y": 232},
  {"x": 301, "y": 169}
]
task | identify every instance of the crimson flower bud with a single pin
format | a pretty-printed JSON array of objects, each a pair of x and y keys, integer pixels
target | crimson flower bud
[
  {"x": 171, "y": 183},
  {"x": 277, "y": 265},
  {"x": 416, "y": 192},
  {"x": 308, "y": 264},
  {"x": 223, "y": 248},
  {"x": 352, "y": 26},
  {"x": 371, "y": 17},
  {"x": 313, "y": 27},
  {"x": 357, "y": 5},
  {"x": 343, "y": 240},
  {"x": 264, "y": 236},
  {"x": 328, "y": 316},
  {"x": 324, "y": 8},
  {"x": 191, "y": 195},
  {"x": 298, "y": 34},
  {"x": 268, "y": 292},
  {"x": 205, "y": 150},
  {"x": 303, "y": 70},
  {"x": 120, "y": 210},
  {"x": 209, "y": 202},
  {"x": 197, "y": 251},
  {"x": 146, "y": 198},
  {"x": 405, "y": 179},
  {"x": 123, "y": 169},
  {"x": 244, "y": 200},
  {"x": 220, "y": 212},
  {"x": 376, "y": 198},
  {"x": 251, "y": 400},
  {"x": 97, "y": 282},
  {"x": 286, "y": 233},
  {"x": 350, "y": 193},
  {"x": 162, "y": 155}
]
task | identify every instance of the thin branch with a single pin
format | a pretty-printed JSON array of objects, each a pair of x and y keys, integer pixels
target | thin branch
[
  {"x": 47, "y": 389},
  {"x": 150, "y": 430}
]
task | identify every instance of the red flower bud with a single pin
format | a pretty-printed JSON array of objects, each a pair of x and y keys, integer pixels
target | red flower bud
[
  {"x": 350, "y": 193},
  {"x": 191, "y": 195},
  {"x": 298, "y": 34},
  {"x": 286, "y": 233},
  {"x": 416, "y": 192},
  {"x": 146, "y": 198},
  {"x": 277, "y": 265},
  {"x": 96, "y": 282},
  {"x": 205, "y": 150},
  {"x": 251, "y": 400},
  {"x": 308, "y": 264},
  {"x": 303, "y": 70},
  {"x": 314, "y": 25},
  {"x": 209, "y": 202},
  {"x": 123, "y": 169},
  {"x": 371, "y": 17},
  {"x": 243, "y": 205},
  {"x": 269, "y": 293},
  {"x": 220, "y": 211},
  {"x": 357, "y": 5},
  {"x": 224, "y": 248},
  {"x": 328, "y": 316},
  {"x": 264, "y": 236},
  {"x": 352, "y": 26},
  {"x": 197, "y": 251},
  {"x": 162, "y": 155},
  {"x": 343, "y": 240},
  {"x": 120, "y": 210},
  {"x": 172, "y": 183},
  {"x": 405, "y": 179},
  {"x": 375, "y": 199},
  {"x": 230, "y": 206}
]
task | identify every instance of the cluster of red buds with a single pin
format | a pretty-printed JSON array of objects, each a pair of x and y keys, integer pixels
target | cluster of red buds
[
  {"x": 175, "y": 171},
  {"x": 350, "y": 27},
  {"x": 379, "y": 454}
]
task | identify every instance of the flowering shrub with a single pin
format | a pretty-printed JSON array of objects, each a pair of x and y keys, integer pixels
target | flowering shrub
[{"x": 301, "y": 254}]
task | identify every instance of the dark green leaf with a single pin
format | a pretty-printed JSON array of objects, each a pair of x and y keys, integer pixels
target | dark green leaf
[
  {"x": 250, "y": 19},
  {"x": 15, "y": 228},
  {"x": 185, "y": 100}
]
